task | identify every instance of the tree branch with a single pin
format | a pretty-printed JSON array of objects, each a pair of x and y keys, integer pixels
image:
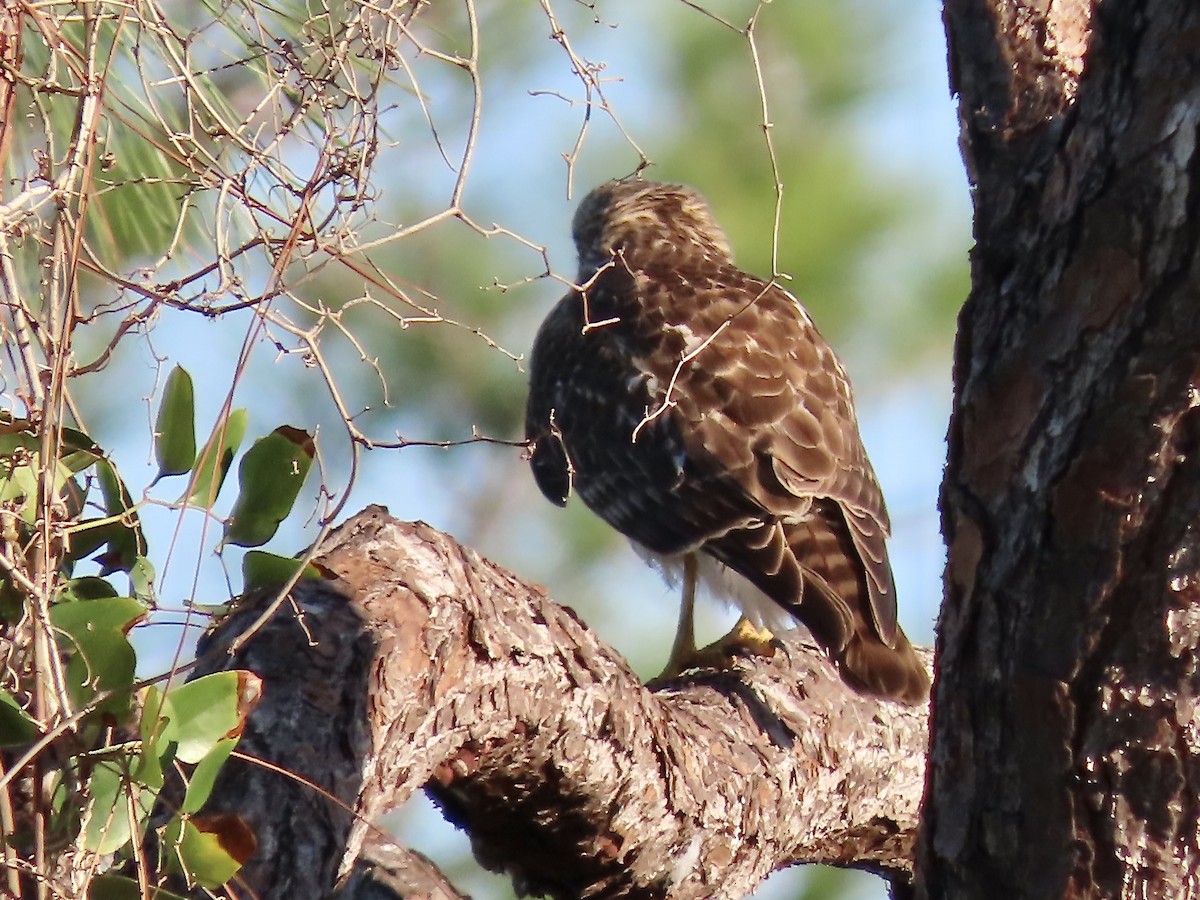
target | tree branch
[{"x": 443, "y": 671}]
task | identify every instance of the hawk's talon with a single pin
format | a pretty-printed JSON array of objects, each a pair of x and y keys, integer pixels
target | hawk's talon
[
  {"x": 743, "y": 641},
  {"x": 747, "y": 640}
]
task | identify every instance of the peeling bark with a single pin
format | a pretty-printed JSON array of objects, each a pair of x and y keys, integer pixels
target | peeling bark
[
  {"x": 1066, "y": 754},
  {"x": 429, "y": 667}
]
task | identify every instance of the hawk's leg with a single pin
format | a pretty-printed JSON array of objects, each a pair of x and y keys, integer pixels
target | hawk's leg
[
  {"x": 744, "y": 639},
  {"x": 683, "y": 650}
]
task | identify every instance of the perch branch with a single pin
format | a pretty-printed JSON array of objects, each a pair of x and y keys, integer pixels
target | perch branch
[{"x": 432, "y": 668}]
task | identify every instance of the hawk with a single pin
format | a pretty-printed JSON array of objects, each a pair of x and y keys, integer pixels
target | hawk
[{"x": 698, "y": 411}]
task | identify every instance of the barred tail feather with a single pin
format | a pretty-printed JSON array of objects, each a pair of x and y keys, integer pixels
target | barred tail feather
[
  {"x": 872, "y": 667},
  {"x": 812, "y": 570},
  {"x": 869, "y": 659}
]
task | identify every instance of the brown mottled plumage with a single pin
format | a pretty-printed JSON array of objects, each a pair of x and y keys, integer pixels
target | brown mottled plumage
[{"x": 697, "y": 410}]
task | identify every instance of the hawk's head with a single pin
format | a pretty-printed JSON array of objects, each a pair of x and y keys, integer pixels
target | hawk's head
[{"x": 644, "y": 220}]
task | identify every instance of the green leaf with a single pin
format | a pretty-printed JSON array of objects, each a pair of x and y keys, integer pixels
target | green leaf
[
  {"x": 88, "y": 587},
  {"x": 175, "y": 428},
  {"x": 124, "y": 537},
  {"x": 74, "y": 496},
  {"x": 16, "y": 727},
  {"x": 262, "y": 570},
  {"x": 82, "y": 615},
  {"x": 152, "y": 721},
  {"x": 103, "y": 660},
  {"x": 20, "y": 484},
  {"x": 205, "y": 775},
  {"x": 116, "y": 496},
  {"x": 89, "y": 535},
  {"x": 79, "y": 451},
  {"x": 141, "y": 580},
  {"x": 215, "y": 459},
  {"x": 20, "y": 461},
  {"x": 118, "y": 887},
  {"x": 202, "y": 713},
  {"x": 112, "y": 794},
  {"x": 213, "y": 611},
  {"x": 16, "y": 434},
  {"x": 270, "y": 477},
  {"x": 149, "y": 768},
  {"x": 201, "y": 853},
  {"x": 65, "y": 809}
]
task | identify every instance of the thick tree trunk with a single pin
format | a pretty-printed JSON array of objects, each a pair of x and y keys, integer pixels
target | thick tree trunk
[
  {"x": 1066, "y": 750},
  {"x": 423, "y": 665}
]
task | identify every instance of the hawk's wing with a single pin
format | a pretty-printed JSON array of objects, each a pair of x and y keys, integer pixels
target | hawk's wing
[{"x": 759, "y": 396}]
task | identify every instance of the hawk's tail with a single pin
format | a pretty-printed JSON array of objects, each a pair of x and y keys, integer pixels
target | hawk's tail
[
  {"x": 871, "y": 666},
  {"x": 812, "y": 569}
]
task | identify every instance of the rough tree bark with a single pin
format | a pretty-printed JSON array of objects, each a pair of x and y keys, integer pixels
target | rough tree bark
[
  {"x": 423, "y": 665},
  {"x": 1065, "y": 749}
]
